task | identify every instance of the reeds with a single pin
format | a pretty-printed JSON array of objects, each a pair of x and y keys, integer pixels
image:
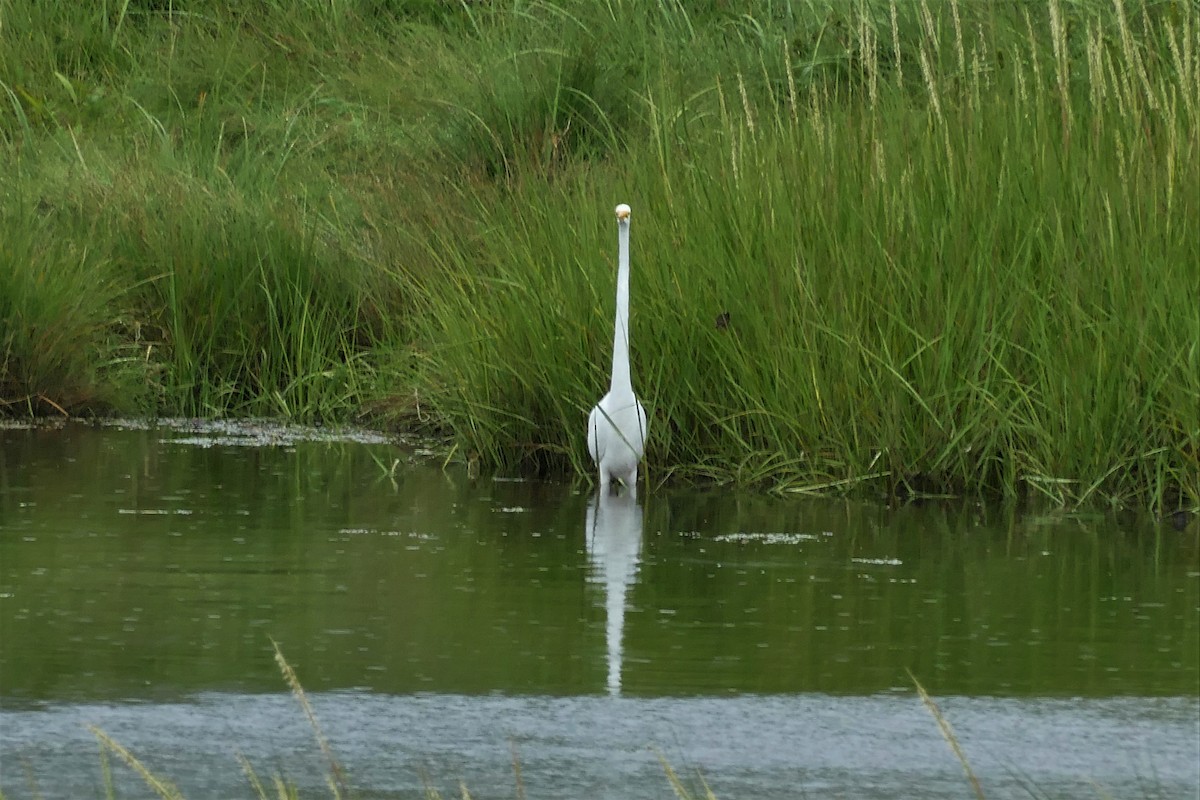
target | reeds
[
  {"x": 280, "y": 788},
  {"x": 948, "y": 734},
  {"x": 161, "y": 787},
  {"x": 337, "y": 776},
  {"x": 59, "y": 301},
  {"x": 885, "y": 247},
  {"x": 232, "y": 286},
  {"x": 947, "y": 287}
]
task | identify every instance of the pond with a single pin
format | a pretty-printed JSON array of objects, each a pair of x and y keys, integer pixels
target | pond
[{"x": 520, "y": 636}]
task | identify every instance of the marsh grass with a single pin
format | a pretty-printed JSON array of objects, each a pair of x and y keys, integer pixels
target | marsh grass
[
  {"x": 679, "y": 787},
  {"x": 60, "y": 301},
  {"x": 948, "y": 734},
  {"x": 161, "y": 787},
  {"x": 337, "y": 775},
  {"x": 279, "y": 787},
  {"x": 894, "y": 248},
  {"x": 983, "y": 283},
  {"x": 240, "y": 287}
]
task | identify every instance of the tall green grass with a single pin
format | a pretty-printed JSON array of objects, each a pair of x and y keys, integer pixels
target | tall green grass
[
  {"x": 181, "y": 150},
  {"x": 954, "y": 242},
  {"x": 57, "y": 300},
  {"x": 983, "y": 283}
]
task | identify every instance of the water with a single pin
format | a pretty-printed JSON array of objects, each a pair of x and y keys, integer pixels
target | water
[{"x": 441, "y": 625}]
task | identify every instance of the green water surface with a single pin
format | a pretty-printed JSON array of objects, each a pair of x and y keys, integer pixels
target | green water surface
[{"x": 154, "y": 563}]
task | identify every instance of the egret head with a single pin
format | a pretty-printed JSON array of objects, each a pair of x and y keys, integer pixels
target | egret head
[{"x": 622, "y": 213}]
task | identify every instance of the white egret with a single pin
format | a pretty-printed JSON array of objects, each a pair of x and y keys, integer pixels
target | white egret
[{"x": 617, "y": 425}]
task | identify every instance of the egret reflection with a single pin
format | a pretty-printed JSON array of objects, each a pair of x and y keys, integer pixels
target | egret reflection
[{"x": 614, "y": 545}]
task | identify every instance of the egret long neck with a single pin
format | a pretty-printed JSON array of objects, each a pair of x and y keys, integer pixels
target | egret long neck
[{"x": 622, "y": 383}]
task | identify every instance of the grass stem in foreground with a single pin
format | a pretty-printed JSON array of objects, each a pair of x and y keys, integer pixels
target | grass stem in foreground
[{"x": 947, "y": 734}]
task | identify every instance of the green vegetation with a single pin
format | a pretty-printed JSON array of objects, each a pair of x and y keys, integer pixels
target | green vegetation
[{"x": 951, "y": 247}]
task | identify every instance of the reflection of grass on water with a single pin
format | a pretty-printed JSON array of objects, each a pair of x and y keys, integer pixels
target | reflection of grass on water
[{"x": 279, "y": 788}]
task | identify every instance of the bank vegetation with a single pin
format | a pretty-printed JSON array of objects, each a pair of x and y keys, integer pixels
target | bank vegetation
[{"x": 888, "y": 247}]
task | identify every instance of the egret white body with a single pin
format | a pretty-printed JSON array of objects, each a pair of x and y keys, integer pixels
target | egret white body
[{"x": 617, "y": 425}]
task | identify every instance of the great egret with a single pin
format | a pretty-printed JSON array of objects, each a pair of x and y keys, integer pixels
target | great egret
[{"x": 617, "y": 425}]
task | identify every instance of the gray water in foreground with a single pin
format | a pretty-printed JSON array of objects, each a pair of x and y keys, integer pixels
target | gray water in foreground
[{"x": 444, "y": 627}]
